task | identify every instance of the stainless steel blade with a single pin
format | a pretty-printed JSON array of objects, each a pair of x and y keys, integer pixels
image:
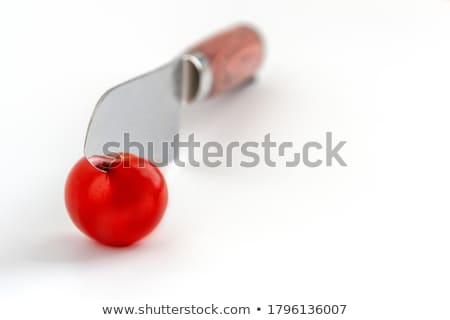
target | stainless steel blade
[{"x": 146, "y": 109}]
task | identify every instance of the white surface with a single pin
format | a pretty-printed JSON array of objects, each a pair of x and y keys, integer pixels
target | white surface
[{"x": 374, "y": 235}]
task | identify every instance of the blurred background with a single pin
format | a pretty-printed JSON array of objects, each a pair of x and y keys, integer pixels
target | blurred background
[{"x": 372, "y": 235}]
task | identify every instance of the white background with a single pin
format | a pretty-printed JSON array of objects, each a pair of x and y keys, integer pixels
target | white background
[{"x": 373, "y": 235}]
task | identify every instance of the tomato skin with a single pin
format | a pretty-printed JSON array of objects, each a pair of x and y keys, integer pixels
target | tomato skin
[{"x": 117, "y": 207}]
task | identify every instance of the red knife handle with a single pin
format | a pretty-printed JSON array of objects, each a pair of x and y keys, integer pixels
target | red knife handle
[{"x": 231, "y": 58}]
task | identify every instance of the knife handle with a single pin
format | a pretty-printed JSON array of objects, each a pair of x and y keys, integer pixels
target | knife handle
[{"x": 221, "y": 63}]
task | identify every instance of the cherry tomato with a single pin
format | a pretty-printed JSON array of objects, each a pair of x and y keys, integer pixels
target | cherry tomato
[{"x": 119, "y": 206}]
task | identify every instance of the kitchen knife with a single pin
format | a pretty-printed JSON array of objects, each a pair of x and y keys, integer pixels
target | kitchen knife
[{"x": 144, "y": 111}]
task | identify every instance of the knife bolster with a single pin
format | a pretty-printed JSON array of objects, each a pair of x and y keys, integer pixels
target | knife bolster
[{"x": 196, "y": 77}]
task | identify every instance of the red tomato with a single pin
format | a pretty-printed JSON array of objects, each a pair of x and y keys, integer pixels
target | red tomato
[{"x": 117, "y": 207}]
